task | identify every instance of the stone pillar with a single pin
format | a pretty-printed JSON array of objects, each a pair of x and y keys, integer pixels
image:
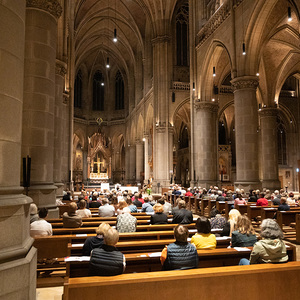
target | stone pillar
[
  {"x": 127, "y": 164},
  {"x": 39, "y": 99},
  {"x": 170, "y": 148},
  {"x": 60, "y": 72},
  {"x": 269, "y": 151},
  {"x": 132, "y": 166},
  {"x": 161, "y": 97},
  {"x": 206, "y": 156},
  {"x": 139, "y": 160},
  {"x": 17, "y": 256},
  {"x": 246, "y": 132},
  {"x": 146, "y": 159}
]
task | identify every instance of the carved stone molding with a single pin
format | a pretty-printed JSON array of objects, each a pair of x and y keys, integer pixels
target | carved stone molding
[
  {"x": 138, "y": 142},
  {"x": 268, "y": 112},
  {"x": 161, "y": 39},
  {"x": 65, "y": 98},
  {"x": 208, "y": 106},
  {"x": 246, "y": 82},
  {"x": 51, "y": 6},
  {"x": 60, "y": 69}
]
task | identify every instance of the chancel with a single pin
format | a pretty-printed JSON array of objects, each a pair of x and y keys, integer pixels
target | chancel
[{"x": 135, "y": 96}]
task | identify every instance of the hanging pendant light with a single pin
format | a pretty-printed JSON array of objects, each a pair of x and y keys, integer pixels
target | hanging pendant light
[
  {"x": 107, "y": 63},
  {"x": 194, "y": 89},
  {"x": 115, "y": 39},
  {"x": 214, "y": 71},
  {"x": 289, "y": 14},
  {"x": 244, "y": 49}
]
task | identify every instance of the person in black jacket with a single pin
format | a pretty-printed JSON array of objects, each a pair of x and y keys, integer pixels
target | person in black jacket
[
  {"x": 159, "y": 217},
  {"x": 107, "y": 260},
  {"x": 182, "y": 215}
]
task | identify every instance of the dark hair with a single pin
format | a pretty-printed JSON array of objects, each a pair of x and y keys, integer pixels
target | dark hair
[
  {"x": 94, "y": 198},
  {"x": 214, "y": 212},
  {"x": 181, "y": 233},
  {"x": 203, "y": 225},
  {"x": 43, "y": 212},
  {"x": 161, "y": 201}
]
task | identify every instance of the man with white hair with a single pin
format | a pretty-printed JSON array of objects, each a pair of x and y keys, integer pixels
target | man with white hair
[{"x": 276, "y": 199}]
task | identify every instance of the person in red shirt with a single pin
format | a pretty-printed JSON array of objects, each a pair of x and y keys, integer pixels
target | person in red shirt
[
  {"x": 262, "y": 201},
  {"x": 188, "y": 193}
]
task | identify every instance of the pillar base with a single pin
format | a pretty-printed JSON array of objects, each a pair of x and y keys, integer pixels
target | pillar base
[
  {"x": 157, "y": 185},
  {"x": 60, "y": 189},
  {"x": 44, "y": 195},
  {"x": 206, "y": 184},
  {"x": 247, "y": 185},
  {"x": 271, "y": 184}
]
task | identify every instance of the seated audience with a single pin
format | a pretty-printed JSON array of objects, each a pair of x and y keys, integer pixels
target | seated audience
[
  {"x": 147, "y": 207},
  {"x": 252, "y": 196},
  {"x": 107, "y": 260},
  {"x": 239, "y": 200},
  {"x": 70, "y": 218},
  {"x": 106, "y": 210},
  {"x": 41, "y": 227},
  {"x": 141, "y": 199},
  {"x": 244, "y": 233},
  {"x": 95, "y": 241},
  {"x": 271, "y": 248},
  {"x": 230, "y": 225},
  {"x": 217, "y": 221},
  {"x": 180, "y": 255},
  {"x": 220, "y": 196},
  {"x": 188, "y": 193},
  {"x": 283, "y": 205},
  {"x": 262, "y": 201},
  {"x": 204, "y": 239},
  {"x": 123, "y": 207},
  {"x": 276, "y": 199},
  {"x": 131, "y": 206},
  {"x": 94, "y": 203},
  {"x": 136, "y": 201},
  {"x": 126, "y": 222},
  {"x": 291, "y": 199},
  {"x": 159, "y": 217},
  {"x": 83, "y": 212},
  {"x": 182, "y": 215},
  {"x": 33, "y": 211}
]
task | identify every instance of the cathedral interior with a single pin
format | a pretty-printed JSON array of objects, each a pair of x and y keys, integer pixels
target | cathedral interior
[{"x": 198, "y": 92}]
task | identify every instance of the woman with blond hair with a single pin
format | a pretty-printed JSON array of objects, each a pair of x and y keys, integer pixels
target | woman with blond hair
[
  {"x": 159, "y": 217},
  {"x": 230, "y": 225},
  {"x": 123, "y": 207},
  {"x": 244, "y": 233}
]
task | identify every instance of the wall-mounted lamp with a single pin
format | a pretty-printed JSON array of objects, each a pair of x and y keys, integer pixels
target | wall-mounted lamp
[{"x": 289, "y": 14}]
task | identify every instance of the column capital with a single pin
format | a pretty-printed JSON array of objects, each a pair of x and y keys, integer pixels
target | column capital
[
  {"x": 208, "y": 106},
  {"x": 51, "y": 6},
  {"x": 60, "y": 68},
  {"x": 160, "y": 39},
  {"x": 245, "y": 82},
  {"x": 138, "y": 142},
  {"x": 268, "y": 112}
]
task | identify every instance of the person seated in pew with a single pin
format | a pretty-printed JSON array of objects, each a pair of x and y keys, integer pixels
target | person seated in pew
[
  {"x": 159, "y": 217},
  {"x": 276, "y": 198},
  {"x": 136, "y": 202},
  {"x": 283, "y": 205},
  {"x": 262, "y": 201},
  {"x": 252, "y": 196},
  {"x": 271, "y": 248},
  {"x": 83, "y": 212},
  {"x": 230, "y": 225},
  {"x": 220, "y": 196},
  {"x": 239, "y": 200},
  {"x": 147, "y": 207},
  {"x": 107, "y": 260},
  {"x": 131, "y": 206},
  {"x": 41, "y": 227},
  {"x": 126, "y": 222},
  {"x": 217, "y": 221},
  {"x": 94, "y": 203},
  {"x": 106, "y": 210},
  {"x": 123, "y": 207},
  {"x": 182, "y": 215},
  {"x": 95, "y": 241},
  {"x": 180, "y": 255},
  {"x": 244, "y": 233},
  {"x": 204, "y": 239},
  {"x": 291, "y": 199},
  {"x": 33, "y": 211},
  {"x": 70, "y": 218}
]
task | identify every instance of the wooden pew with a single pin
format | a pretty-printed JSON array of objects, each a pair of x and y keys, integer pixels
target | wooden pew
[
  {"x": 287, "y": 217},
  {"x": 298, "y": 228},
  {"x": 150, "y": 262},
  {"x": 144, "y": 245},
  {"x": 206, "y": 283},
  {"x": 210, "y": 205},
  {"x": 228, "y": 205},
  {"x": 220, "y": 205},
  {"x": 203, "y": 204}
]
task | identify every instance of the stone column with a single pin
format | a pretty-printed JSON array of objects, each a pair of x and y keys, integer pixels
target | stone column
[
  {"x": 269, "y": 151},
  {"x": 132, "y": 166},
  {"x": 161, "y": 97},
  {"x": 39, "y": 99},
  {"x": 139, "y": 160},
  {"x": 127, "y": 164},
  {"x": 60, "y": 72},
  {"x": 17, "y": 256},
  {"x": 246, "y": 132},
  {"x": 206, "y": 156},
  {"x": 146, "y": 159}
]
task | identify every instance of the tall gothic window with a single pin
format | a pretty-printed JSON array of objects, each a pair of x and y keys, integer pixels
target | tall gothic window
[
  {"x": 78, "y": 90},
  {"x": 98, "y": 91},
  {"x": 281, "y": 142},
  {"x": 182, "y": 33},
  {"x": 119, "y": 91}
]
